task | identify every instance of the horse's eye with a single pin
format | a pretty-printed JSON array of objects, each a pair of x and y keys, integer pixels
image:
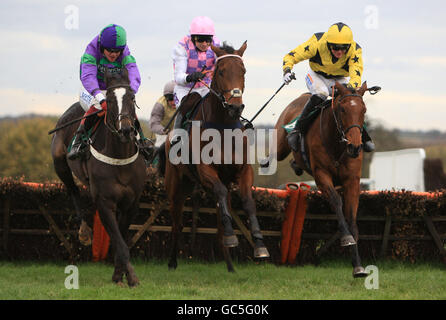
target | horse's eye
[{"x": 220, "y": 73}]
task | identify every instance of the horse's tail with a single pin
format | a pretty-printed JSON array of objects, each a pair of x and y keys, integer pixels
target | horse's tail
[{"x": 161, "y": 159}]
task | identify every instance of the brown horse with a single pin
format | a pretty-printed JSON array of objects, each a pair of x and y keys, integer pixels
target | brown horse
[
  {"x": 333, "y": 146},
  {"x": 219, "y": 110},
  {"x": 114, "y": 170}
]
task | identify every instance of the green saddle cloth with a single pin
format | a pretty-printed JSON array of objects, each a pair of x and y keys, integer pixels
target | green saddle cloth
[
  {"x": 84, "y": 137},
  {"x": 290, "y": 126}
]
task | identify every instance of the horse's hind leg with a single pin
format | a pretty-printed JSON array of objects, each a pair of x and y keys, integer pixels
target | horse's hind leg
[
  {"x": 248, "y": 203},
  {"x": 63, "y": 171}
]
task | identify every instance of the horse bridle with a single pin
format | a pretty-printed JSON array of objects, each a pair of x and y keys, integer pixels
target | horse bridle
[
  {"x": 120, "y": 115},
  {"x": 235, "y": 92},
  {"x": 339, "y": 125}
]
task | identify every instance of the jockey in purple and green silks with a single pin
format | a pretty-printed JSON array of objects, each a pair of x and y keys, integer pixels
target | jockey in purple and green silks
[{"x": 108, "y": 50}]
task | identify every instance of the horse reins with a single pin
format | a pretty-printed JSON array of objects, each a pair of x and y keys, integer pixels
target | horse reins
[{"x": 339, "y": 127}]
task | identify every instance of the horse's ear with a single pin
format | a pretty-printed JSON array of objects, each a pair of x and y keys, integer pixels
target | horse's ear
[
  {"x": 125, "y": 74},
  {"x": 217, "y": 50},
  {"x": 363, "y": 88},
  {"x": 242, "y": 48},
  {"x": 107, "y": 76},
  {"x": 341, "y": 88}
]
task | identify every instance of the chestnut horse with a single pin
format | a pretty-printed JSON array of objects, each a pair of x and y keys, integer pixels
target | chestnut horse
[
  {"x": 114, "y": 170},
  {"x": 334, "y": 150},
  {"x": 220, "y": 110}
]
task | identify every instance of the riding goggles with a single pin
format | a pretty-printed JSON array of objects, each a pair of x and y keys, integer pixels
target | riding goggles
[
  {"x": 169, "y": 96},
  {"x": 203, "y": 38},
  {"x": 113, "y": 50},
  {"x": 337, "y": 47}
]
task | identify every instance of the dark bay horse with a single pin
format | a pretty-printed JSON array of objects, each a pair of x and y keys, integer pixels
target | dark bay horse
[
  {"x": 219, "y": 110},
  {"x": 334, "y": 148},
  {"x": 114, "y": 170}
]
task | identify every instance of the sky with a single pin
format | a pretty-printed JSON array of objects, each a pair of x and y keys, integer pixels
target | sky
[{"x": 404, "y": 51}]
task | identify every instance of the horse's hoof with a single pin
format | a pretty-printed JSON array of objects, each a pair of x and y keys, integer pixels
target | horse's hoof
[
  {"x": 359, "y": 272},
  {"x": 172, "y": 265},
  {"x": 230, "y": 241},
  {"x": 261, "y": 252},
  {"x": 132, "y": 282},
  {"x": 347, "y": 241}
]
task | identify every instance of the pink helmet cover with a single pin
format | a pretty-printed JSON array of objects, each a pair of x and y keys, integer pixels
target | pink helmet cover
[{"x": 202, "y": 25}]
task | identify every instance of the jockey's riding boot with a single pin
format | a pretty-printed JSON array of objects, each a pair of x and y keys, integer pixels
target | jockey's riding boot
[
  {"x": 176, "y": 137},
  {"x": 367, "y": 143},
  {"x": 302, "y": 123},
  {"x": 79, "y": 143},
  {"x": 81, "y": 138},
  {"x": 146, "y": 146}
]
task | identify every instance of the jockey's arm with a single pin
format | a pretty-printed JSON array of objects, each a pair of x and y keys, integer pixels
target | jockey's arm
[
  {"x": 129, "y": 62},
  {"x": 179, "y": 56},
  {"x": 88, "y": 74},
  {"x": 355, "y": 67},
  {"x": 302, "y": 52},
  {"x": 156, "y": 117}
]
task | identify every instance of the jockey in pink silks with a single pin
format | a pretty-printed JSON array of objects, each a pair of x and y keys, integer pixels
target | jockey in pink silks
[{"x": 190, "y": 55}]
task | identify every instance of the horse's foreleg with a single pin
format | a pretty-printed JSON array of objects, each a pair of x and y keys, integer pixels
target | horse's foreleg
[
  {"x": 325, "y": 184},
  {"x": 351, "y": 202},
  {"x": 107, "y": 213},
  {"x": 229, "y": 238},
  {"x": 248, "y": 203},
  {"x": 220, "y": 238},
  {"x": 210, "y": 180}
]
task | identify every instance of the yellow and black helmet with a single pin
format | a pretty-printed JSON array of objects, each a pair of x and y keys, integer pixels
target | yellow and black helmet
[{"x": 340, "y": 34}]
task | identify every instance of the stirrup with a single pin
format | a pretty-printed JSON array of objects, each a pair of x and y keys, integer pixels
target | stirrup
[{"x": 77, "y": 150}]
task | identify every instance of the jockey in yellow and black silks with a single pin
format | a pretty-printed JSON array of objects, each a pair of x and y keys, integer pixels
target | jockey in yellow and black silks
[{"x": 333, "y": 56}]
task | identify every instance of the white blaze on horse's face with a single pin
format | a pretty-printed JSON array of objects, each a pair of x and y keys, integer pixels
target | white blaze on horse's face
[{"x": 119, "y": 94}]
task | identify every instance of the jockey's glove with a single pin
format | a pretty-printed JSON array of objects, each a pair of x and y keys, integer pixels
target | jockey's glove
[
  {"x": 99, "y": 97},
  {"x": 103, "y": 104},
  {"x": 288, "y": 76},
  {"x": 194, "y": 77}
]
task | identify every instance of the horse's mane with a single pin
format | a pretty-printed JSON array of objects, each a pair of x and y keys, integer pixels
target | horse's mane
[{"x": 227, "y": 48}]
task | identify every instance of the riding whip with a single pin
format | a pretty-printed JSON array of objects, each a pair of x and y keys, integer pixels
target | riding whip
[
  {"x": 73, "y": 121},
  {"x": 280, "y": 88}
]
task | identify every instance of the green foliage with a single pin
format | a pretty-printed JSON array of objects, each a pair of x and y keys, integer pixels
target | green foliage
[{"x": 25, "y": 148}]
